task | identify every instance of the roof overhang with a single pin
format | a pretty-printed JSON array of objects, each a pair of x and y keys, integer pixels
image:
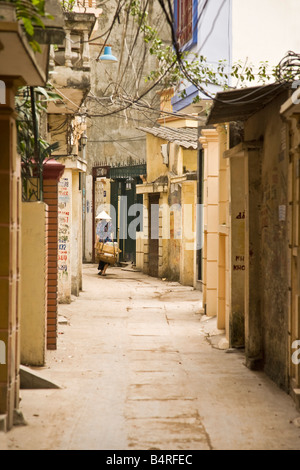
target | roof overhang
[
  {"x": 241, "y": 104},
  {"x": 185, "y": 137}
]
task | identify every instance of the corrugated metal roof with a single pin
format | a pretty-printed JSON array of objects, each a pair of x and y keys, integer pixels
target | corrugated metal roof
[
  {"x": 185, "y": 137},
  {"x": 239, "y": 105}
]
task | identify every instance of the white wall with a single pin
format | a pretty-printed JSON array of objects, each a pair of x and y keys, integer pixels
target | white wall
[
  {"x": 64, "y": 236},
  {"x": 264, "y": 29}
]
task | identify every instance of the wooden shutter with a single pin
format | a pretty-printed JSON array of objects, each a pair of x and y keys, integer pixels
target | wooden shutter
[{"x": 184, "y": 21}]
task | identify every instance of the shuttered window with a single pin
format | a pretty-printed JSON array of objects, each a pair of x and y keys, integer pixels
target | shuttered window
[{"x": 184, "y": 25}]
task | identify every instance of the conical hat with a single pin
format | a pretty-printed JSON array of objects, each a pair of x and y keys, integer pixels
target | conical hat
[{"x": 103, "y": 215}]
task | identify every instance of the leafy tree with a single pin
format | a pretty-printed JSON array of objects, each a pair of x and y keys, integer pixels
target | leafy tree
[{"x": 34, "y": 150}]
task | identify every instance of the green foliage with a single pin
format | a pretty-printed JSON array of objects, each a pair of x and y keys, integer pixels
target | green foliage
[
  {"x": 31, "y": 13},
  {"x": 32, "y": 165},
  {"x": 68, "y": 5}
]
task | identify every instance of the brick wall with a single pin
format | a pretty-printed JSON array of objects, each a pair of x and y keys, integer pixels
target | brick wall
[{"x": 50, "y": 198}]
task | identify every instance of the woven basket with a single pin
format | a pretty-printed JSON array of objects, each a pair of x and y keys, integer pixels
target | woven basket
[{"x": 108, "y": 253}]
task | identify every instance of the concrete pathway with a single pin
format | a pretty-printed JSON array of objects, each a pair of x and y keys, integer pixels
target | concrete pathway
[{"x": 136, "y": 372}]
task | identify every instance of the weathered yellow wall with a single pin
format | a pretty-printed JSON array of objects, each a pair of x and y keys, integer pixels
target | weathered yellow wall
[
  {"x": 190, "y": 159},
  {"x": 155, "y": 165},
  {"x": 176, "y": 258},
  {"x": 175, "y": 159},
  {"x": 237, "y": 251},
  {"x": 267, "y": 242},
  {"x": 33, "y": 283},
  {"x": 292, "y": 130}
]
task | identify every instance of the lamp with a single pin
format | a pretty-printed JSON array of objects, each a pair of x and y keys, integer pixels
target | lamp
[
  {"x": 84, "y": 139},
  {"x": 129, "y": 183},
  {"x": 107, "y": 56}
]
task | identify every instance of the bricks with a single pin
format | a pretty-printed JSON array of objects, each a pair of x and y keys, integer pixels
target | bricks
[{"x": 50, "y": 198}]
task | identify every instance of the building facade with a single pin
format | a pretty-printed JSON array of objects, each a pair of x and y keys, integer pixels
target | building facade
[
  {"x": 22, "y": 67},
  {"x": 70, "y": 66},
  {"x": 168, "y": 245},
  {"x": 235, "y": 32},
  {"x": 261, "y": 222}
]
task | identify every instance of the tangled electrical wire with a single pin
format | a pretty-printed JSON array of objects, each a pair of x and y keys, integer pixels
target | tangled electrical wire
[{"x": 284, "y": 73}]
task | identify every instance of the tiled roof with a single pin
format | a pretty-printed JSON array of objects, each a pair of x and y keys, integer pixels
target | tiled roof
[{"x": 185, "y": 137}]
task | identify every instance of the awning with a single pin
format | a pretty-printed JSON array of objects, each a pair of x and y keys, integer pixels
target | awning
[{"x": 239, "y": 105}]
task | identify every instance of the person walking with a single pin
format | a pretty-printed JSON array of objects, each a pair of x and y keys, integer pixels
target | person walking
[{"x": 104, "y": 235}]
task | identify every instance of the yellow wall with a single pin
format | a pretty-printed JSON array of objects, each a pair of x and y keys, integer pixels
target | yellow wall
[
  {"x": 155, "y": 165},
  {"x": 176, "y": 242},
  {"x": 190, "y": 159},
  {"x": 33, "y": 283}
]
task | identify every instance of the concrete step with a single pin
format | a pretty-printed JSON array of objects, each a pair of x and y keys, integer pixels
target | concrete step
[{"x": 31, "y": 380}]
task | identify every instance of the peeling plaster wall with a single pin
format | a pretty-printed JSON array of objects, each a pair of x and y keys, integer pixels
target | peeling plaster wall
[{"x": 272, "y": 238}]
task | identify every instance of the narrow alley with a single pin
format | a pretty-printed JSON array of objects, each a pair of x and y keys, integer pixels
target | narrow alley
[{"x": 135, "y": 372}]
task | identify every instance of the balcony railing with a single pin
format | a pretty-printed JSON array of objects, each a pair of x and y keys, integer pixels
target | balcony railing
[{"x": 75, "y": 51}]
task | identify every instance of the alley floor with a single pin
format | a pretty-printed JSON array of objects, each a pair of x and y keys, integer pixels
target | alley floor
[{"x": 136, "y": 372}]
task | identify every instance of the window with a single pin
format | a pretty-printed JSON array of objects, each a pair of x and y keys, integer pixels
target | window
[{"x": 184, "y": 21}]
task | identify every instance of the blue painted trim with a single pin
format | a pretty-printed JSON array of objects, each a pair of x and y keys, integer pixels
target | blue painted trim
[{"x": 179, "y": 103}]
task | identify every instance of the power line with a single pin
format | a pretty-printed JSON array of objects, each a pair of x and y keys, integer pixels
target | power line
[
  {"x": 171, "y": 21},
  {"x": 166, "y": 7},
  {"x": 213, "y": 24}
]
